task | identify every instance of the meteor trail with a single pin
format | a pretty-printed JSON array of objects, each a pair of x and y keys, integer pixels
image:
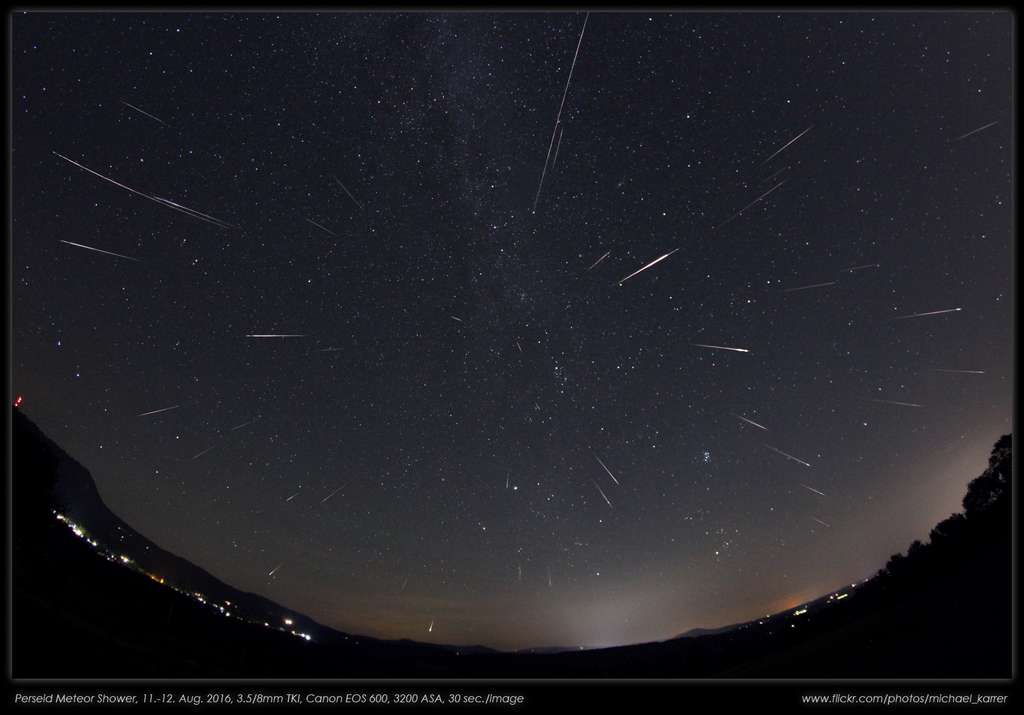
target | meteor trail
[
  {"x": 752, "y": 203},
  {"x": 292, "y": 497},
  {"x": 720, "y": 347},
  {"x": 821, "y": 522},
  {"x": 786, "y": 145},
  {"x": 275, "y": 335},
  {"x": 455, "y": 317},
  {"x": 975, "y": 131},
  {"x": 815, "y": 285},
  {"x": 99, "y": 250},
  {"x": 163, "y": 202},
  {"x": 349, "y": 193},
  {"x": 142, "y": 111},
  {"x": 656, "y": 260},
  {"x": 921, "y": 315},
  {"x": 431, "y": 629},
  {"x": 594, "y": 264},
  {"x": 750, "y": 421},
  {"x": 813, "y": 490},
  {"x": 772, "y": 176},
  {"x": 602, "y": 493},
  {"x": 192, "y": 212},
  {"x": 606, "y": 469},
  {"x": 558, "y": 145},
  {"x": 203, "y": 452},
  {"x": 558, "y": 117},
  {"x": 162, "y": 409},
  {"x": 241, "y": 425},
  {"x": 968, "y": 372},
  {"x": 322, "y": 228},
  {"x": 894, "y": 402},
  {"x": 274, "y": 570},
  {"x": 787, "y": 456},
  {"x": 330, "y": 495},
  {"x": 860, "y": 268}
]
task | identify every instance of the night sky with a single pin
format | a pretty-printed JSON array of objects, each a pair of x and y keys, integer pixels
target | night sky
[{"x": 427, "y": 447}]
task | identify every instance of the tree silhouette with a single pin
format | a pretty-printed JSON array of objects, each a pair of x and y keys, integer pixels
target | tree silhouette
[
  {"x": 986, "y": 512},
  {"x": 993, "y": 485}
]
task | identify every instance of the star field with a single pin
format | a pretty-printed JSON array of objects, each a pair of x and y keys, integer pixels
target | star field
[{"x": 477, "y": 431}]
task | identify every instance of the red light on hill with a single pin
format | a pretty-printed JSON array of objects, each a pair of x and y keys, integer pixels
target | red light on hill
[{"x": 18, "y": 400}]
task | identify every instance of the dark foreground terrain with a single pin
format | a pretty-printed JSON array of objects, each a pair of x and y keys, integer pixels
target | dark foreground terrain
[{"x": 943, "y": 610}]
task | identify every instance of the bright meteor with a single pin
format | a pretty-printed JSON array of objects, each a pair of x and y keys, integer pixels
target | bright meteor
[
  {"x": 659, "y": 259},
  {"x": 720, "y": 347},
  {"x": 162, "y": 409},
  {"x": 606, "y": 469},
  {"x": 922, "y": 315}
]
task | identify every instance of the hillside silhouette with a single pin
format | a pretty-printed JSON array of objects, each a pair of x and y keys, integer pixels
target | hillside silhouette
[{"x": 80, "y": 610}]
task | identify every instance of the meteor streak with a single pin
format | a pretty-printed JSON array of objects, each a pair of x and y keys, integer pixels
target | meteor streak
[
  {"x": 741, "y": 417},
  {"x": 968, "y": 372},
  {"x": 192, "y": 212},
  {"x": 860, "y": 268},
  {"x": 275, "y": 335},
  {"x": 821, "y": 522},
  {"x": 349, "y": 193},
  {"x": 659, "y": 259},
  {"x": 894, "y": 402},
  {"x": 558, "y": 145},
  {"x": 787, "y": 456},
  {"x": 602, "y": 493},
  {"x": 99, "y": 250},
  {"x": 752, "y": 203},
  {"x": 594, "y": 264},
  {"x": 606, "y": 469},
  {"x": 331, "y": 495},
  {"x": 922, "y": 315},
  {"x": 292, "y": 497},
  {"x": 163, "y": 202},
  {"x": 772, "y": 176},
  {"x": 142, "y": 111},
  {"x": 720, "y": 347},
  {"x": 975, "y": 131},
  {"x": 813, "y": 490},
  {"x": 815, "y": 285},
  {"x": 274, "y": 570},
  {"x": 558, "y": 117},
  {"x": 203, "y": 452},
  {"x": 162, "y": 409},
  {"x": 786, "y": 145},
  {"x": 322, "y": 228}
]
